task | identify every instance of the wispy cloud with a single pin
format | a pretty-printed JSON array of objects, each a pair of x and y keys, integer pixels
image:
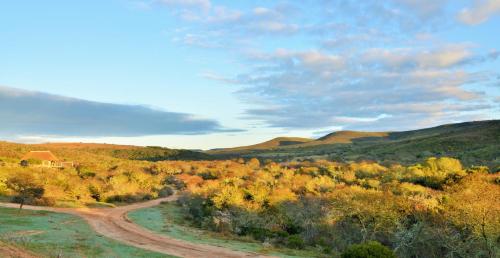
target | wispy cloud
[
  {"x": 198, "y": 4},
  {"x": 352, "y": 63},
  {"x": 480, "y": 12},
  {"x": 313, "y": 89},
  {"x": 34, "y": 113}
]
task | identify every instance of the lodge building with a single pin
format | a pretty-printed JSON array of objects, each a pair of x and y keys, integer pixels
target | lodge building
[{"x": 47, "y": 159}]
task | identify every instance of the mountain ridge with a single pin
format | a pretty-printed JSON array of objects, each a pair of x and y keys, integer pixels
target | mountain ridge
[{"x": 475, "y": 143}]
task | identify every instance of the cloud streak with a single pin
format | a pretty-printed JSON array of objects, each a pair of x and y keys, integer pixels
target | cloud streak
[{"x": 34, "y": 113}]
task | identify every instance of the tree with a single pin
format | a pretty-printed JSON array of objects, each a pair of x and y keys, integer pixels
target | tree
[
  {"x": 473, "y": 206},
  {"x": 25, "y": 187}
]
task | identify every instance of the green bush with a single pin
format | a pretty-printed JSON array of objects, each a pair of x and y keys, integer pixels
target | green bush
[
  {"x": 372, "y": 249},
  {"x": 295, "y": 242},
  {"x": 165, "y": 191}
]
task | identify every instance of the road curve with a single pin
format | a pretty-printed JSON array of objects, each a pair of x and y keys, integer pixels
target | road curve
[{"x": 113, "y": 223}]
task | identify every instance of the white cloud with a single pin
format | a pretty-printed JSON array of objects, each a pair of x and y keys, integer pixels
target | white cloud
[
  {"x": 480, "y": 12},
  {"x": 444, "y": 57},
  {"x": 313, "y": 89},
  {"x": 351, "y": 63},
  {"x": 424, "y": 9},
  {"x": 199, "y": 4}
]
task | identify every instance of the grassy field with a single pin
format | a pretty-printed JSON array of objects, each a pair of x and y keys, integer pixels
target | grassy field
[
  {"x": 167, "y": 219},
  {"x": 60, "y": 235}
]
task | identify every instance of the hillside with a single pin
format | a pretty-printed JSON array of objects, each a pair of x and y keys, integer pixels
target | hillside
[
  {"x": 345, "y": 137},
  {"x": 474, "y": 143},
  {"x": 294, "y": 142},
  {"x": 271, "y": 144},
  {"x": 96, "y": 151}
]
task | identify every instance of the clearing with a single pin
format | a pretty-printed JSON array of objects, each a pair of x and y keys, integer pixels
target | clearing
[{"x": 113, "y": 223}]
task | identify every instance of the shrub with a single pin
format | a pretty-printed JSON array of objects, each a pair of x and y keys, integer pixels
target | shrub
[
  {"x": 165, "y": 191},
  {"x": 295, "y": 242},
  {"x": 44, "y": 201},
  {"x": 95, "y": 193},
  {"x": 208, "y": 175},
  {"x": 128, "y": 198},
  {"x": 372, "y": 249},
  {"x": 172, "y": 180}
]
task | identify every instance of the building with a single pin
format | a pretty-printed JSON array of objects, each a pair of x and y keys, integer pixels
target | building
[{"x": 46, "y": 158}]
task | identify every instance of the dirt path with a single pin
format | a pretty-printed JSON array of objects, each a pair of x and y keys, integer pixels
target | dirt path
[{"x": 113, "y": 223}]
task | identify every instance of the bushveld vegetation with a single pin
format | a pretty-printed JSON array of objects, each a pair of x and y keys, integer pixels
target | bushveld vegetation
[{"x": 436, "y": 208}]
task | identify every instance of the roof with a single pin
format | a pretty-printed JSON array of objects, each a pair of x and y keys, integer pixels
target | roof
[{"x": 40, "y": 155}]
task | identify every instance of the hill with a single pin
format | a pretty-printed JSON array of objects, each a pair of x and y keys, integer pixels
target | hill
[
  {"x": 345, "y": 137},
  {"x": 474, "y": 143},
  {"x": 271, "y": 144},
  {"x": 96, "y": 151}
]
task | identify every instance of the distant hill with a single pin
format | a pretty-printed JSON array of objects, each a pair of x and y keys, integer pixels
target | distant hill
[
  {"x": 89, "y": 151},
  {"x": 294, "y": 142},
  {"x": 346, "y": 137},
  {"x": 271, "y": 144},
  {"x": 474, "y": 143}
]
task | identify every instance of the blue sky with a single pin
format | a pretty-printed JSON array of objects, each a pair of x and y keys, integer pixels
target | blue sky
[{"x": 204, "y": 74}]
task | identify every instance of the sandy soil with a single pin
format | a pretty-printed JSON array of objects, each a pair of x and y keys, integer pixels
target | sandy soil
[{"x": 113, "y": 223}]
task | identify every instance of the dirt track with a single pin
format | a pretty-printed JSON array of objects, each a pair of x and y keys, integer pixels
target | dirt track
[{"x": 113, "y": 223}]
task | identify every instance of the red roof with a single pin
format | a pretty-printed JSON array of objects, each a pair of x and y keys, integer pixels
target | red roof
[{"x": 40, "y": 155}]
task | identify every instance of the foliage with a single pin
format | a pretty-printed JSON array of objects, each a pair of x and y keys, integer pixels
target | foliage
[
  {"x": 434, "y": 208},
  {"x": 25, "y": 188},
  {"x": 370, "y": 249},
  {"x": 158, "y": 154}
]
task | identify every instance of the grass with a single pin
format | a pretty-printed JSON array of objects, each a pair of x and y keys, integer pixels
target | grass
[
  {"x": 168, "y": 219},
  {"x": 60, "y": 235}
]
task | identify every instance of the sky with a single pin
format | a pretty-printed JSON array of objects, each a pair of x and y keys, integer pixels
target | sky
[{"x": 203, "y": 74}]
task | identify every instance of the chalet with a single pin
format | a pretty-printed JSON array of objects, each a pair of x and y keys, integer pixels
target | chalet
[{"x": 46, "y": 158}]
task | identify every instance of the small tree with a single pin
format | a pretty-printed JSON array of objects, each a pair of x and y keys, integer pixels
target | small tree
[{"x": 25, "y": 187}]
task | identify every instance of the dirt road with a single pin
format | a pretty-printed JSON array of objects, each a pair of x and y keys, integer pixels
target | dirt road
[{"x": 113, "y": 223}]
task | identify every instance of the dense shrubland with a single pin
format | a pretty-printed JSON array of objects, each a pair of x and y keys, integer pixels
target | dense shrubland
[{"x": 434, "y": 209}]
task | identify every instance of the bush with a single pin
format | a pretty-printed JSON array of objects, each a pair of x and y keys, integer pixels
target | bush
[
  {"x": 44, "y": 201},
  {"x": 172, "y": 180},
  {"x": 165, "y": 191},
  {"x": 372, "y": 249},
  {"x": 128, "y": 198},
  {"x": 295, "y": 242}
]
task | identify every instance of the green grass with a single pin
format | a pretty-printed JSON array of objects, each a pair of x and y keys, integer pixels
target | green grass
[
  {"x": 55, "y": 234},
  {"x": 168, "y": 219}
]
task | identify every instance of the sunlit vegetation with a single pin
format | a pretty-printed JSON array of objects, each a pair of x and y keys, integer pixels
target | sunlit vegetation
[
  {"x": 169, "y": 219},
  {"x": 434, "y": 208}
]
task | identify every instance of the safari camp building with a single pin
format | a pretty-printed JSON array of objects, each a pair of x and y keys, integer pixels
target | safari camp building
[{"x": 46, "y": 158}]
